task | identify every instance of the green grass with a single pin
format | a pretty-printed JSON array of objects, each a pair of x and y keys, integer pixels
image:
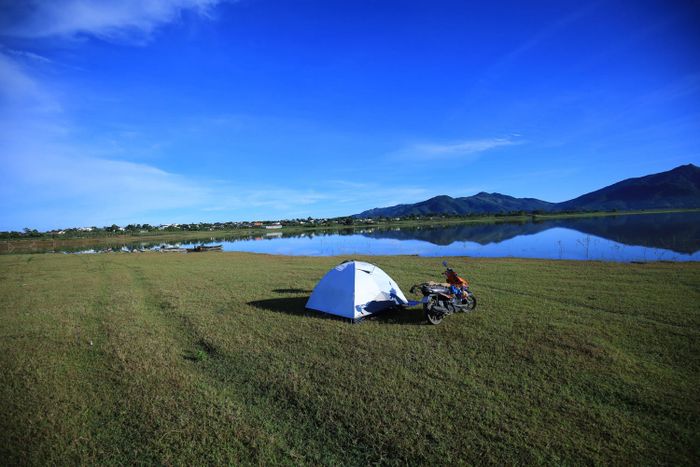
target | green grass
[
  {"x": 211, "y": 358},
  {"x": 57, "y": 243}
]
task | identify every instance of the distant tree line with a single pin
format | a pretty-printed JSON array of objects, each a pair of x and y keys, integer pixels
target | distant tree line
[{"x": 309, "y": 222}]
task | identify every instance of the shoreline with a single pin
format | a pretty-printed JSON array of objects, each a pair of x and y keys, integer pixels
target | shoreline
[{"x": 27, "y": 245}]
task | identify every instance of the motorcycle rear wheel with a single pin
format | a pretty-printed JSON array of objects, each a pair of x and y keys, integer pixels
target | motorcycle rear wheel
[{"x": 432, "y": 316}]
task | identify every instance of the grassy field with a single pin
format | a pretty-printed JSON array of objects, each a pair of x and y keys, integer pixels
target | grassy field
[
  {"x": 43, "y": 244},
  {"x": 187, "y": 359}
]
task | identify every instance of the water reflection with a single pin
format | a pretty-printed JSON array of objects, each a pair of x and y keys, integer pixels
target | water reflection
[
  {"x": 679, "y": 233},
  {"x": 614, "y": 238}
]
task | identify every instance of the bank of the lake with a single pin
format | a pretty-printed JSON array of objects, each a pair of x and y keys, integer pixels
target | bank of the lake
[
  {"x": 102, "y": 240},
  {"x": 211, "y": 358},
  {"x": 623, "y": 238},
  {"x": 667, "y": 235}
]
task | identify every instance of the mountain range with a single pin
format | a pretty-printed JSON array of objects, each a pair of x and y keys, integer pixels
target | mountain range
[{"x": 678, "y": 188}]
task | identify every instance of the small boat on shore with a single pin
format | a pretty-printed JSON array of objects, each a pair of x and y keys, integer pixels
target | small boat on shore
[
  {"x": 202, "y": 248},
  {"x": 173, "y": 249}
]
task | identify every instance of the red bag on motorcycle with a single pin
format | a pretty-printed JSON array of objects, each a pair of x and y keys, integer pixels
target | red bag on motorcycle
[{"x": 454, "y": 279}]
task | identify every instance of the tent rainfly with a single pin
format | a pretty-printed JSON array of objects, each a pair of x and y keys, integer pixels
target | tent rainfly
[{"x": 355, "y": 289}]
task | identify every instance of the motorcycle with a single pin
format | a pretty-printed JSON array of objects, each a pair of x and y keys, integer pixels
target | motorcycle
[{"x": 440, "y": 300}]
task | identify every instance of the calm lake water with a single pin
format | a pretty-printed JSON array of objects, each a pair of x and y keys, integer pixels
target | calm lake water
[{"x": 649, "y": 237}]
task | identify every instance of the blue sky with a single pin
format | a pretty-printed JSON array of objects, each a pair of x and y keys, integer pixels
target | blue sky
[{"x": 168, "y": 111}]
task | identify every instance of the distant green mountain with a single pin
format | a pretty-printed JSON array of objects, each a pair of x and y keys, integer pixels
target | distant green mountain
[
  {"x": 481, "y": 203},
  {"x": 677, "y": 188}
]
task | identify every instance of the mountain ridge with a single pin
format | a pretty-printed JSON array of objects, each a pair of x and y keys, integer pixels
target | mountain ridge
[{"x": 676, "y": 188}]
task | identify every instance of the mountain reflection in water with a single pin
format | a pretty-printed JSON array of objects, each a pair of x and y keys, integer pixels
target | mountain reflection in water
[
  {"x": 644, "y": 237},
  {"x": 679, "y": 233}
]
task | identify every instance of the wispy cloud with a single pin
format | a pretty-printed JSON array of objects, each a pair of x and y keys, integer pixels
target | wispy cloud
[
  {"x": 45, "y": 184},
  {"x": 52, "y": 186},
  {"x": 14, "y": 81},
  {"x": 627, "y": 116},
  {"x": 49, "y": 177},
  {"x": 542, "y": 36},
  {"x": 19, "y": 89},
  {"x": 465, "y": 150},
  {"x": 233, "y": 200},
  {"x": 23, "y": 54},
  {"x": 56, "y": 183},
  {"x": 113, "y": 20}
]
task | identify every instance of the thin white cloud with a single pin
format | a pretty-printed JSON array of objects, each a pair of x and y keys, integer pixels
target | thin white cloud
[
  {"x": 684, "y": 87},
  {"x": 466, "y": 150},
  {"x": 14, "y": 81},
  {"x": 51, "y": 178},
  {"x": 23, "y": 54},
  {"x": 276, "y": 200},
  {"x": 345, "y": 197},
  {"x": 19, "y": 89},
  {"x": 114, "y": 20},
  {"x": 541, "y": 37},
  {"x": 68, "y": 190},
  {"x": 50, "y": 181},
  {"x": 48, "y": 185}
]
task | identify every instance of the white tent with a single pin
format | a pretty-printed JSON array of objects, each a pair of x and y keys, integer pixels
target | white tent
[{"x": 355, "y": 289}]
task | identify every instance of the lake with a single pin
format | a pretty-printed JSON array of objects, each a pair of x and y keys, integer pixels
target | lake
[{"x": 647, "y": 237}]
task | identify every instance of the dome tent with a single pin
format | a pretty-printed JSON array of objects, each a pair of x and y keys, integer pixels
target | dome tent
[{"x": 355, "y": 289}]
